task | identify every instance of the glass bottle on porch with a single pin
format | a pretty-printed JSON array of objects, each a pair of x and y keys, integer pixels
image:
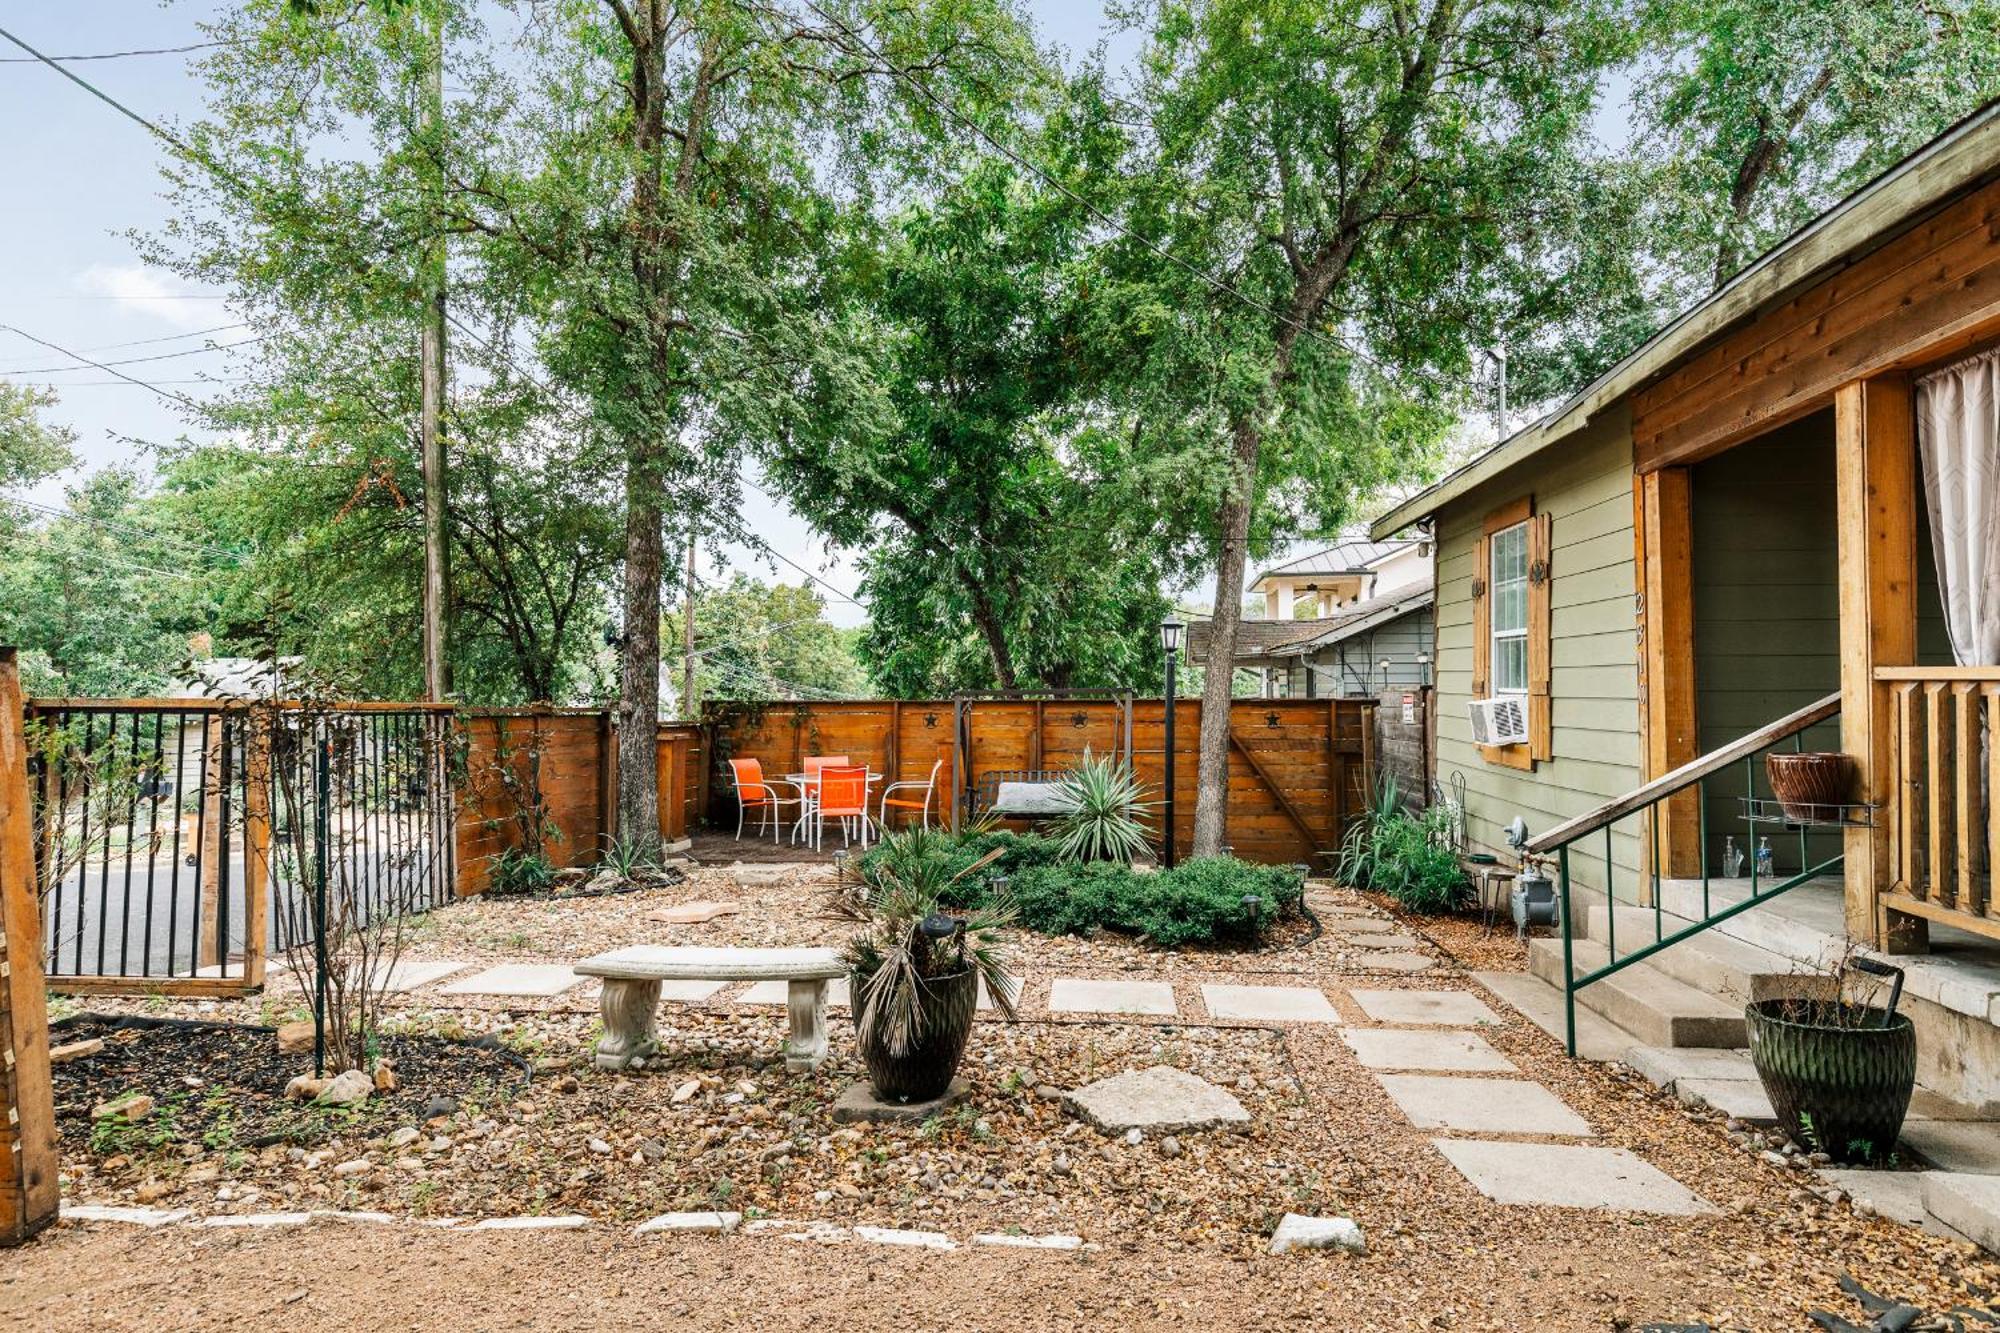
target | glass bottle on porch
[
  {"x": 1766, "y": 866},
  {"x": 1732, "y": 858}
]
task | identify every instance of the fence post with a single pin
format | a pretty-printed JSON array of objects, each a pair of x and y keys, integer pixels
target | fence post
[
  {"x": 214, "y": 841},
  {"x": 256, "y": 841},
  {"x": 29, "y": 1190}
]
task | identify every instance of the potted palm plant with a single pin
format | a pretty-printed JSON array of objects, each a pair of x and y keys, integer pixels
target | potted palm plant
[{"x": 915, "y": 966}]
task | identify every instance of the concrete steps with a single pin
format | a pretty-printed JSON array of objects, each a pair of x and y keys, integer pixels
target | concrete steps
[
  {"x": 1657, "y": 1009},
  {"x": 1711, "y": 962}
]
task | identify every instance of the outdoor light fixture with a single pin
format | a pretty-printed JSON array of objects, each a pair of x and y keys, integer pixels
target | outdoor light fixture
[
  {"x": 999, "y": 883},
  {"x": 1171, "y": 630},
  {"x": 840, "y": 867}
]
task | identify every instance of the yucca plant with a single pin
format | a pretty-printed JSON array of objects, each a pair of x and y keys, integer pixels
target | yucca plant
[
  {"x": 911, "y": 947},
  {"x": 1105, "y": 799}
]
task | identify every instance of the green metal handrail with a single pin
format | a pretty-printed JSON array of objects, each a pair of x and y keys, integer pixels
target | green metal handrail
[{"x": 1646, "y": 801}]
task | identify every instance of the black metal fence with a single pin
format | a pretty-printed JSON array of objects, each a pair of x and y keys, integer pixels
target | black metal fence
[
  {"x": 388, "y": 815},
  {"x": 169, "y": 833}
]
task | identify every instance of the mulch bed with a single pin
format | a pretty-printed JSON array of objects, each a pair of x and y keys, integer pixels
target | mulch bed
[{"x": 221, "y": 1085}]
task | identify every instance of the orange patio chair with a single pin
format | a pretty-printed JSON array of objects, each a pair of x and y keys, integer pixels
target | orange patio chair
[
  {"x": 754, "y": 791},
  {"x": 929, "y": 788},
  {"x": 843, "y": 795}
]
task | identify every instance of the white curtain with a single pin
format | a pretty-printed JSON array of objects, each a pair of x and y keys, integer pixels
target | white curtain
[{"x": 1958, "y": 436}]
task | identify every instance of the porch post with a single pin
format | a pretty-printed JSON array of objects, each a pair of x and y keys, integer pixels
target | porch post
[
  {"x": 1876, "y": 467},
  {"x": 1663, "y": 530}
]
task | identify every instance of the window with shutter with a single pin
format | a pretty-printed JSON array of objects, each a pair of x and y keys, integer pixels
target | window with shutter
[{"x": 1511, "y": 647}]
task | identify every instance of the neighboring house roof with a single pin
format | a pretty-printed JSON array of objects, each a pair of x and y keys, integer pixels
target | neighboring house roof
[
  {"x": 233, "y": 678},
  {"x": 1962, "y": 156},
  {"x": 1265, "y": 640},
  {"x": 1354, "y": 555}
]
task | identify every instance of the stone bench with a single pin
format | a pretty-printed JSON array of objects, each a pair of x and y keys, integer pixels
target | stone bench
[{"x": 632, "y": 978}]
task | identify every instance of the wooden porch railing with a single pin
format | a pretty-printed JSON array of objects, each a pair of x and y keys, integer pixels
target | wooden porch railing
[{"x": 1943, "y": 819}]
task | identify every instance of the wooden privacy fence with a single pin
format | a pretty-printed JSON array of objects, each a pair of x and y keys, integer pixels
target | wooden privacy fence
[
  {"x": 548, "y": 777},
  {"x": 1299, "y": 769}
]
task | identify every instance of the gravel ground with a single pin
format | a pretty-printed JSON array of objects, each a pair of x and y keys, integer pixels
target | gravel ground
[{"x": 1181, "y": 1232}]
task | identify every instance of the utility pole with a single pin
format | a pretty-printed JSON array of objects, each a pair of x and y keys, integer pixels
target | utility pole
[
  {"x": 437, "y": 554},
  {"x": 687, "y": 635}
]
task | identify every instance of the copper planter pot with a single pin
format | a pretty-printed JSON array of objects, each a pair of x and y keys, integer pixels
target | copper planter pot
[{"x": 1810, "y": 786}]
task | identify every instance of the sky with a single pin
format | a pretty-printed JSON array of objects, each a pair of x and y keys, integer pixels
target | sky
[{"x": 81, "y": 178}]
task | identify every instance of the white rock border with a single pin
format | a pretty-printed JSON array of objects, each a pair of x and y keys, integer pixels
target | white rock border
[{"x": 711, "y": 1223}]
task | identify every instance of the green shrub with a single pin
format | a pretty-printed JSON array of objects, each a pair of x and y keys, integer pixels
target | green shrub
[
  {"x": 516, "y": 871},
  {"x": 1197, "y": 902},
  {"x": 1408, "y": 857}
]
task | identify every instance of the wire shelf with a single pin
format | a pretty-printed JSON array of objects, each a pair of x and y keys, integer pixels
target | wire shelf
[{"x": 1762, "y": 810}]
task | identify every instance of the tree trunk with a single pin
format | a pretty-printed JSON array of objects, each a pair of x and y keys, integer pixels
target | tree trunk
[
  {"x": 1211, "y": 803},
  {"x": 989, "y": 624},
  {"x": 639, "y": 675}
]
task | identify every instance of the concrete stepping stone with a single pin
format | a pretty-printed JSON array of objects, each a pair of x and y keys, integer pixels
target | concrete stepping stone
[
  {"x": 1156, "y": 1100},
  {"x": 1442, "y": 1008},
  {"x": 137, "y": 1217},
  {"x": 413, "y": 973},
  {"x": 693, "y": 914},
  {"x": 690, "y": 992},
  {"x": 916, "y": 1240},
  {"x": 775, "y": 992},
  {"x": 1387, "y": 961},
  {"x": 1076, "y": 995},
  {"x": 1278, "y": 1004},
  {"x": 759, "y": 876},
  {"x": 1369, "y": 939},
  {"x": 1569, "y": 1176},
  {"x": 557, "y": 1222},
  {"x": 520, "y": 979},
  {"x": 1405, "y": 1048},
  {"x": 1482, "y": 1105}
]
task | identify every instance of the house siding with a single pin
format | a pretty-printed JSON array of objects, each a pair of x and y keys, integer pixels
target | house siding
[
  {"x": 1349, "y": 668},
  {"x": 1594, "y": 692}
]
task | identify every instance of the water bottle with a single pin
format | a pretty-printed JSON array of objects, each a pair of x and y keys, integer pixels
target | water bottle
[{"x": 1766, "y": 866}]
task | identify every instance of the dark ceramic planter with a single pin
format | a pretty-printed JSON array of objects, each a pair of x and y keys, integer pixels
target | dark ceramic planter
[
  {"x": 1842, "y": 1091},
  {"x": 925, "y": 1070}
]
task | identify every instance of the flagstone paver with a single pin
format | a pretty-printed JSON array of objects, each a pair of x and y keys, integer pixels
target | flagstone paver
[
  {"x": 1157, "y": 1100},
  {"x": 699, "y": 1224},
  {"x": 691, "y": 914},
  {"x": 1078, "y": 995},
  {"x": 412, "y": 973},
  {"x": 1443, "y": 1008},
  {"x": 524, "y": 979},
  {"x": 1385, "y": 961},
  {"x": 1482, "y": 1105},
  {"x": 774, "y": 992},
  {"x": 1405, "y": 1048},
  {"x": 1369, "y": 939},
  {"x": 1299, "y": 1232},
  {"x": 1569, "y": 1176},
  {"x": 1280, "y": 1004}
]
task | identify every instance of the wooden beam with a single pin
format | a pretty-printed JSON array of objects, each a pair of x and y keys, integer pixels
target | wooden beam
[
  {"x": 29, "y": 1190},
  {"x": 256, "y": 842},
  {"x": 1877, "y": 503},
  {"x": 1665, "y": 542}
]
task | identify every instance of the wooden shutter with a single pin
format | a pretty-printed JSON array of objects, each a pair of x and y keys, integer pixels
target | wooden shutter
[
  {"x": 1482, "y": 620},
  {"x": 1540, "y": 648}
]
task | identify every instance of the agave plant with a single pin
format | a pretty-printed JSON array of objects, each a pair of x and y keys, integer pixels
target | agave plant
[
  {"x": 909, "y": 940},
  {"x": 1105, "y": 799}
]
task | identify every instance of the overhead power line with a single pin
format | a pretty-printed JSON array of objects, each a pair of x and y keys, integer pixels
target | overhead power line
[
  {"x": 180, "y": 398},
  {"x": 116, "y": 55},
  {"x": 138, "y": 360}
]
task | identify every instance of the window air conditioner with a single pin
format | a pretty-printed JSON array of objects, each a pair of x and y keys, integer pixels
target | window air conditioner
[{"x": 1500, "y": 721}]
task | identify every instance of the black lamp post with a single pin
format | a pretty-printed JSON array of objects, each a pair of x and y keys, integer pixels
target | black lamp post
[{"x": 1170, "y": 644}]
